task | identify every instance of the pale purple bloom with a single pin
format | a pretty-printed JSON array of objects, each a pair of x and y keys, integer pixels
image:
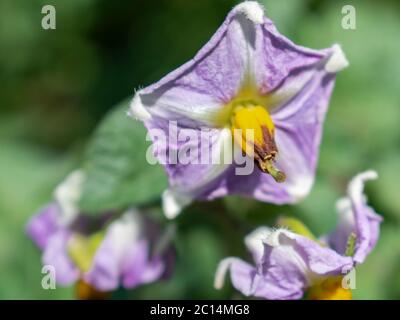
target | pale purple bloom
[
  {"x": 286, "y": 264},
  {"x": 247, "y": 62},
  {"x": 110, "y": 250}
]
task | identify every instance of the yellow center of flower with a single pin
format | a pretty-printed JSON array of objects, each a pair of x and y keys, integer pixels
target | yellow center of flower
[
  {"x": 81, "y": 249},
  {"x": 253, "y": 128},
  {"x": 257, "y": 121},
  {"x": 330, "y": 289}
]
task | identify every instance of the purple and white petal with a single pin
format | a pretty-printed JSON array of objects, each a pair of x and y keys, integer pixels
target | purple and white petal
[
  {"x": 302, "y": 96},
  {"x": 125, "y": 255},
  {"x": 254, "y": 242},
  {"x": 67, "y": 195},
  {"x": 55, "y": 254},
  {"x": 194, "y": 93},
  {"x": 311, "y": 257},
  {"x": 242, "y": 275},
  {"x": 140, "y": 267},
  {"x": 201, "y": 180},
  {"x": 251, "y": 281},
  {"x": 108, "y": 262},
  {"x": 292, "y": 263},
  {"x": 355, "y": 216}
]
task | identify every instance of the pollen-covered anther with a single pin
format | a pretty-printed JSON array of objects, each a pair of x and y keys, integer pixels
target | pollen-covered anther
[{"x": 254, "y": 130}]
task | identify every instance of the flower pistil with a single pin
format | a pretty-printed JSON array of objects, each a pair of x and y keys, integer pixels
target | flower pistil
[{"x": 254, "y": 130}]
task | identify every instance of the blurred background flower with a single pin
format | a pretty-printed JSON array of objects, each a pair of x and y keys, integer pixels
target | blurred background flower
[
  {"x": 104, "y": 251},
  {"x": 58, "y": 84}
]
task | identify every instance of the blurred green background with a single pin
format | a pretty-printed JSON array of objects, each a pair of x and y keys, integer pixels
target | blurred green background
[{"x": 56, "y": 86}]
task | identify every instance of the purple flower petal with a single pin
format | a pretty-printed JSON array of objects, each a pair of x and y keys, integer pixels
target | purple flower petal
[
  {"x": 195, "y": 91},
  {"x": 55, "y": 254},
  {"x": 242, "y": 275},
  {"x": 318, "y": 259},
  {"x": 140, "y": 267},
  {"x": 290, "y": 264},
  {"x": 358, "y": 218},
  {"x": 43, "y": 225},
  {"x": 106, "y": 271},
  {"x": 125, "y": 256}
]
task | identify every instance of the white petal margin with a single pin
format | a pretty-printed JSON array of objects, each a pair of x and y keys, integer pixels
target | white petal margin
[
  {"x": 279, "y": 239},
  {"x": 254, "y": 242},
  {"x": 337, "y": 61},
  {"x": 137, "y": 110},
  {"x": 300, "y": 188},
  {"x": 222, "y": 269},
  {"x": 173, "y": 203},
  {"x": 252, "y": 10},
  {"x": 124, "y": 232},
  {"x": 175, "y": 199},
  {"x": 67, "y": 195},
  {"x": 356, "y": 185},
  {"x": 204, "y": 111},
  {"x": 346, "y": 215},
  {"x": 275, "y": 237}
]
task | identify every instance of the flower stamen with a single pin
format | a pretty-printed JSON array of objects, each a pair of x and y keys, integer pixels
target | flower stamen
[{"x": 254, "y": 130}]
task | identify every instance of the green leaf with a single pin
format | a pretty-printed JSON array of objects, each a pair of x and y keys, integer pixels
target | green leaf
[{"x": 118, "y": 174}]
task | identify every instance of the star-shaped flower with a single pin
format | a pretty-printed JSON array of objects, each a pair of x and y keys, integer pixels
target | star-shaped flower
[{"x": 247, "y": 78}]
